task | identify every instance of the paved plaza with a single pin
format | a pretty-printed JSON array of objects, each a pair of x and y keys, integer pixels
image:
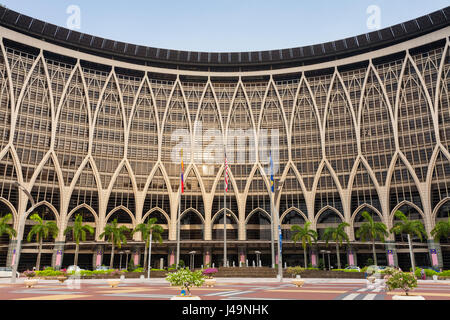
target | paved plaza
[{"x": 226, "y": 289}]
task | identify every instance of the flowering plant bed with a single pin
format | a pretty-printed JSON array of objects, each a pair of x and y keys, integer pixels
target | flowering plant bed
[{"x": 210, "y": 272}]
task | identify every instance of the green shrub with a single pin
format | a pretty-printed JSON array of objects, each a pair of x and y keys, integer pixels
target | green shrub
[
  {"x": 138, "y": 270},
  {"x": 157, "y": 270},
  {"x": 294, "y": 271},
  {"x": 445, "y": 273}
]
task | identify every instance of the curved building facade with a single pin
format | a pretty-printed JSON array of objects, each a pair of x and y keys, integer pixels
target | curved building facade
[{"x": 94, "y": 127}]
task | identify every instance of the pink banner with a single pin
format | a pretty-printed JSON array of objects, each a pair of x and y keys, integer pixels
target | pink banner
[
  {"x": 207, "y": 257},
  {"x": 99, "y": 260},
  {"x": 136, "y": 259},
  {"x": 242, "y": 258},
  {"x": 351, "y": 260},
  {"x": 172, "y": 258},
  {"x": 58, "y": 259},
  {"x": 313, "y": 259},
  {"x": 276, "y": 260},
  {"x": 391, "y": 259},
  {"x": 434, "y": 259},
  {"x": 13, "y": 259}
]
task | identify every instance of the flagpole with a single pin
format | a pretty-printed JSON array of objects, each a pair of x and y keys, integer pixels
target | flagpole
[
  {"x": 271, "y": 212},
  {"x": 178, "y": 227},
  {"x": 225, "y": 215}
]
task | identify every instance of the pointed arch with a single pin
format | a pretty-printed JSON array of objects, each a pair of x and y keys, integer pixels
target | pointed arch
[
  {"x": 416, "y": 134},
  {"x": 443, "y": 104},
  {"x": 257, "y": 193},
  {"x": 320, "y": 86},
  {"x": 363, "y": 190},
  {"x": 192, "y": 197},
  {"x": 287, "y": 90},
  {"x": 218, "y": 191},
  {"x": 240, "y": 138},
  {"x": 327, "y": 192},
  {"x": 161, "y": 90},
  {"x": 162, "y": 219},
  {"x": 376, "y": 129},
  {"x": 157, "y": 194},
  {"x": 20, "y": 63},
  {"x": 109, "y": 133},
  {"x": 8, "y": 176},
  {"x": 72, "y": 130},
  {"x": 59, "y": 75},
  {"x": 357, "y": 219},
  {"x": 122, "y": 214},
  {"x": 176, "y": 136},
  {"x": 95, "y": 82},
  {"x": 224, "y": 93},
  {"x": 341, "y": 146},
  {"x": 85, "y": 189},
  {"x": 390, "y": 73},
  {"x": 256, "y": 94},
  {"x": 402, "y": 186},
  {"x": 193, "y": 92},
  {"x": 217, "y": 222},
  {"x": 353, "y": 81},
  {"x": 272, "y": 126},
  {"x": 440, "y": 181},
  {"x": 34, "y": 108},
  {"x": 208, "y": 138},
  {"x": 46, "y": 186},
  {"x": 192, "y": 225},
  {"x": 5, "y": 101},
  {"x": 306, "y": 136},
  {"x": 143, "y": 136},
  {"x": 129, "y": 86},
  {"x": 122, "y": 193},
  {"x": 292, "y": 195},
  {"x": 258, "y": 225},
  {"x": 428, "y": 64},
  {"x": 89, "y": 217}
]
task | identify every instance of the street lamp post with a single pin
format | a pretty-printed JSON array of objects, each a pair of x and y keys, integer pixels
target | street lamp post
[
  {"x": 16, "y": 253},
  {"x": 278, "y": 224},
  {"x": 329, "y": 265},
  {"x": 192, "y": 264},
  {"x": 127, "y": 252}
]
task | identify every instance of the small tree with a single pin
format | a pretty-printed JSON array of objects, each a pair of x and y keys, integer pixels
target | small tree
[
  {"x": 186, "y": 279},
  {"x": 410, "y": 228},
  {"x": 372, "y": 230},
  {"x": 5, "y": 228},
  {"x": 115, "y": 235},
  {"x": 338, "y": 235},
  {"x": 41, "y": 230},
  {"x": 305, "y": 235},
  {"x": 79, "y": 233},
  {"x": 400, "y": 280},
  {"x": 148, "y": 231}
]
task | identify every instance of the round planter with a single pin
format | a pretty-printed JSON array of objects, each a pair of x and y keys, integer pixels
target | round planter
[
  {"x": 185, "y": 298},
  {"x": 408, "y": 298},
  {"x": 210, "y": 282},
  {"x": 113, "y": 283},
  {"x": 371, "y": 279},
  {"x": 298, "y": 282},
  {"x": 30, "y": 283},
  {"x": 61, "y": 279}
]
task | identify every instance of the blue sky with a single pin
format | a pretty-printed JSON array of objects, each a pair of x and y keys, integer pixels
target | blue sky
[{"x": 227, "y": 25}]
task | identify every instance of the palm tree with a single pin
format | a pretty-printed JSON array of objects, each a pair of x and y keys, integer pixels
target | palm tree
[
  {"x": 372, "y": 230},
  {"x": 305, "y": 235},
  {"x": 441, "y": 230},
  {"x": 337, "y": 234},
  {"x": 148, "y": 231},
  {"x": 115, "y": 235},
  {"x": 78, "y": 231},
  {"x": 5, "y": 227},
  {"x": 41, "y": 230},
  {"x": 411, "y": 228}
]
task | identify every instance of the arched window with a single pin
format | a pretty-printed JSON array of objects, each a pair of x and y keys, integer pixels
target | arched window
[
  {"x": 232, "y": 227},
  {"x": 258, "y": 226},
  {"x": 191, "y": 226}
]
